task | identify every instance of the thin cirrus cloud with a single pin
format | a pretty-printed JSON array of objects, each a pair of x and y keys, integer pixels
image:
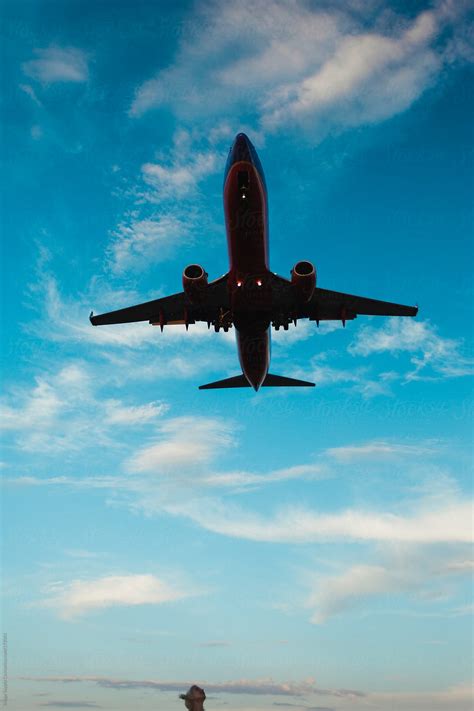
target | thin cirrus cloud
[
  {"x": 321, "y": 68},
  {"x": 429, "y": 356},
  {"x": 455, "y": 698},
  {"x": 79, "y": 597},
  {"x": 413, "y": 571},
  {"x": 58, "y": 64},
  {"x": 448, "y": 523},
  {"x": 71, "y": 705},
  {"x": 62, "y": 319},
  {"x": 379, "y": 450},
  {"x": 184, "y": 442},
  {"x": 430, "y": 352},
  {"x": 169, "y": 205},
  {"x": 137, "y": 243},
  {"x": 257, "y": 687},
  {"x": 181, "y": 176},
  {"x": 58, "y": 412}
]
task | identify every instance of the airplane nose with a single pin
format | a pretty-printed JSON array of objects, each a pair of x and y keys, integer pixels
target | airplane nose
[
  {"x": 241, "y": 138},
  {"x": 241, "y": 149}
]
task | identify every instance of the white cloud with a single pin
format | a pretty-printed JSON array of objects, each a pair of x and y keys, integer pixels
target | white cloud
[
  {"x": 58, "y": 64},
  {"x": 243, "y": 479},
  {"x": 31, "y": 93},
  {"x": 185, "y": 442},
  {"x": 358, "y": 379},
  {"x": 169, "y": 204},
  {"x": 418, "y": 572},
  {"x": 183, "y": 175},
  {"x": 369, "y": 77},
  {"x": 449, "y": 523},
  {"x": 119, "y": 414},
  {"x": 257, "y": 687},
  {"x": 62, "y": 411},
  {"x": 230, "y": 54},
  {"x": 321, "y": 68},
  {"x": 378, "y": 450},
  {"x": 138, "y": 243},
  {"x": 431, "y": 353},
  {"x": 79, "y": 597},
  {"x": 46, "y": 401},
  {"x": 63, "y": 319},
  {"x": 456, "y": 698}
]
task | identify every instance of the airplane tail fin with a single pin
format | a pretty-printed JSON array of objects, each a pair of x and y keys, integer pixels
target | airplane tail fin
[{"x": 240, "y": 381}]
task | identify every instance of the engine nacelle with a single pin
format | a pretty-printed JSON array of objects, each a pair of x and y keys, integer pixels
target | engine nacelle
[
  {"x": 194, "y": 282},
  {"x": 303, "y": 278}
]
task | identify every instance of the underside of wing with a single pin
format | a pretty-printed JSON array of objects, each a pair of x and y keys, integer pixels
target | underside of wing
[
  {"x": 327, "y": 305},
  {"x": 175, "y": 309}
]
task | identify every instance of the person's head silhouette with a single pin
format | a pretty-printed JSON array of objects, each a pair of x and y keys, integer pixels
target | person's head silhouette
[{"x": 194, "y": 698}]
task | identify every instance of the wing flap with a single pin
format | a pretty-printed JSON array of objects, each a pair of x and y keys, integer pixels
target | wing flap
[
  {"x": 327, "y": 305},
  {"x": 173, "y": 306},
  {"x": 173, "y": 310},
  {"x": 331, "y": 304}
]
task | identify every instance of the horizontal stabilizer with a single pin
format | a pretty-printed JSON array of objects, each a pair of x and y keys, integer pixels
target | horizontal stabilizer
[
  {"x": 240, "y": 381},
  {"x": 278, "y": 381}
]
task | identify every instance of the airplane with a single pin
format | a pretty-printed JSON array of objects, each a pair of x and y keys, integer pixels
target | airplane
[{"x": 250, "y": 297}]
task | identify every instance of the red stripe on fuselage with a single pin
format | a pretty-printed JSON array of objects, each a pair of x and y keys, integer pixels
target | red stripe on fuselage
[
  {"x": 249, "y": 286},
  {"x": 246, "y": 222}
]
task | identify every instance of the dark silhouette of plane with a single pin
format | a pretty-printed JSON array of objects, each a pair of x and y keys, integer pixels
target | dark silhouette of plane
[{"x": 250, "y": 297}]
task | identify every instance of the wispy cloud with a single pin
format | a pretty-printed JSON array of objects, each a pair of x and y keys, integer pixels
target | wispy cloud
[
  {"x": 457, "y": 698},
  {"x": 257, "y": 687},
  {"x": 244, "y": 479},
  {"x": 369, "y": 77},
  {"x": 449, "y": 523},
  {"x": 64, "y": 319},
  {"x": 181, "y": 175},
  {"x": 304, "y": 706},
  {"x": 31, "y": 93},
  {"x": 360, "y": 379},
  {"x": 119, "y": 414},
  {"x": 58, "y": 64},
  {"x": 169, "y": 204},
  {"x": 59, "y": 412},
  {"x": 322, "y": 68},
  {"x": 71, "y": 705},
  {"x": 204, "y": 438},
  {"x": 138, "y": 242},
  {"x": 71, "y": 600},
  {"x": 379, "y": 450},
  {"x": 431, "y": 353},
  {"x": 411, "y": 571}
]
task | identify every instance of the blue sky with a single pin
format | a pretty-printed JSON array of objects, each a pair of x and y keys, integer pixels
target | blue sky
[{"x": 307, "y": 550}]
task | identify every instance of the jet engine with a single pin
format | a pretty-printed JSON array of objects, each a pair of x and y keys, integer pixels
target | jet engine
[
  {"x": 194, "y": 282},
  {"x": 303, "y": 278}
]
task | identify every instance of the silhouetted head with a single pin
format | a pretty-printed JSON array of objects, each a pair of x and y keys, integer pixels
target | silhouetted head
[{"x": 194, "y": 698}]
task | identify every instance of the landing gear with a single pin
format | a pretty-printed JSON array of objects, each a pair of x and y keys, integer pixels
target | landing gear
[
  {"x": 283, "y": 321},
  {"x": 223, "y": 320}
]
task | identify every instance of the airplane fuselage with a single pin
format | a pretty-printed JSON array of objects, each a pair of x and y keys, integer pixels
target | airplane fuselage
[
  {"x": 249, "y": 296},
  {"x": 246, "y": 218}
]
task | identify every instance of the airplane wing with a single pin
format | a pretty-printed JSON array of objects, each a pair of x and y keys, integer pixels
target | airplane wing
[
  {"x": 175, "y": 309},
  {"x": 335, "y": 305}
]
